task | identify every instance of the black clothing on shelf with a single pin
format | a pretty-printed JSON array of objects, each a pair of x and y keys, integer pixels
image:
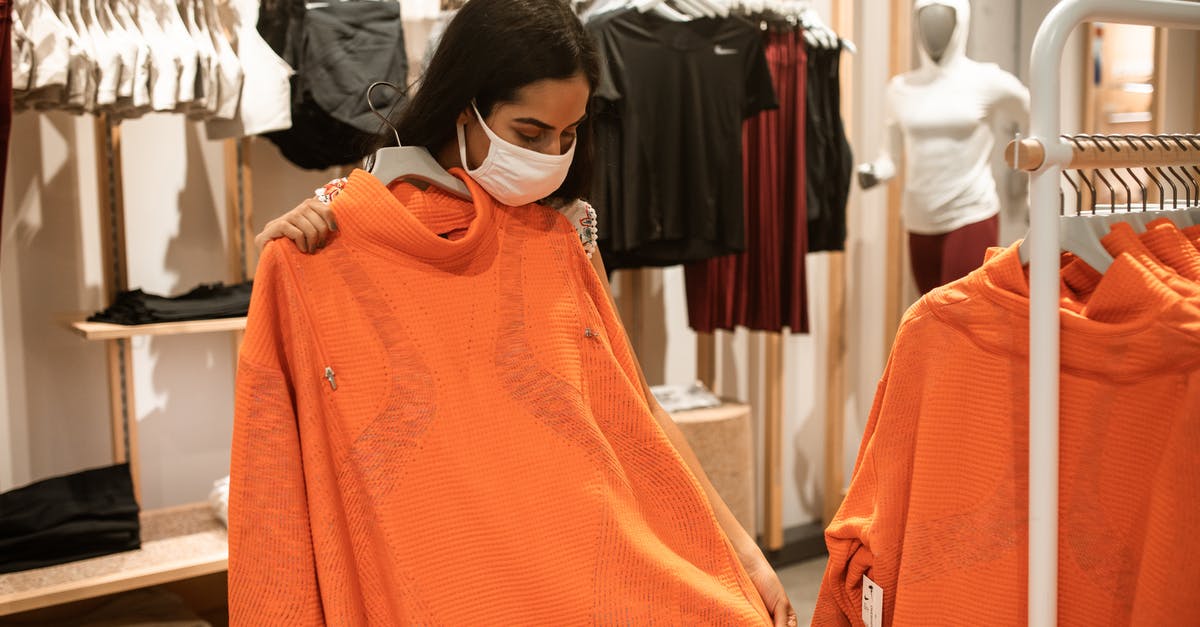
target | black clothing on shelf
[
  {"x": 340, "y": 49},
  {"x": 669, "y": 110},
  {"x": 69, "y": 518},
  {"x": 205, "y": 302},
  {"x": 829, "y": 160}
]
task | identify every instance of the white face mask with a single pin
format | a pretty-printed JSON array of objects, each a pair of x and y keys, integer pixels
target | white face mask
[{"x": 514, "y": 175}]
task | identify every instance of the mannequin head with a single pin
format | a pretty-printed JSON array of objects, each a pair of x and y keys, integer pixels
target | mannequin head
[{"x": 935, "y": 25}]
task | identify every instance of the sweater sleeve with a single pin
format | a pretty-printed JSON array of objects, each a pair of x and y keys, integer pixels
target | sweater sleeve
[
  {"x": 848, "y": 539},
  {"x": 272, "y": 570}
]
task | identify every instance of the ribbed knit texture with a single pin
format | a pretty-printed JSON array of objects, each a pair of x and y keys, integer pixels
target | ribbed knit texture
[
  {"x": 937, "y": 508},
  {"x": 487, "y": 457}
]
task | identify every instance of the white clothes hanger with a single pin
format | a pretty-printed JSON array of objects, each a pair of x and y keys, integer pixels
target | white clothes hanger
[
  {"x": 410, "y": 162},
  {"x": 601, "y": 7},
  {"x": 695, "y": 8},
  {"x": 660, "y": 8}
]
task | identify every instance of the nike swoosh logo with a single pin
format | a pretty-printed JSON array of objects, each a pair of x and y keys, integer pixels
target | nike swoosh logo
[{"x": 724, "y": 51}]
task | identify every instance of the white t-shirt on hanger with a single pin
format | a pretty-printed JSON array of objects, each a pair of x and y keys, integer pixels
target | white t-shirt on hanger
[
  {"x": 164, "y": 60},
  {"x": 189, "y": 59},
  {"x": 22, "y": 56},
  {"x": 80, "y": 77},
  {"x": 209, "y": 76},
  {"x": 126, "y": 47},
  {"x": 203, "y": 61},
  {"x": 50, "y": 55},
  {"x": 230, "y": 68},
  {"x": 265, "y": 103},
  {"x": 141, "y": 65},
  {"x": 108, "y": 55}
]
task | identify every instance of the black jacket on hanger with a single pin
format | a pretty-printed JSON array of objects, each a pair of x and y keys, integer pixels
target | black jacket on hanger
[
  {"x": 338, "y": 50},
  {"x": 829, "y": 160}
]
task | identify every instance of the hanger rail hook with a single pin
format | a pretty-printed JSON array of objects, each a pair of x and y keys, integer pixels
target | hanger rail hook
[
  {"x": 1174, "y": 189},
  {"x": 1078, "y": 195},
  {"x": 1112, "y": 195},
  {"x": 371, "y": 103}
]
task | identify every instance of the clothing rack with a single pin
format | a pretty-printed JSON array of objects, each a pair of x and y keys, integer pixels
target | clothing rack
[
  {"x": 1049, "y": 154},
  {"x": 834, "y": 357},
  {"x": 1090, "y": 152}
]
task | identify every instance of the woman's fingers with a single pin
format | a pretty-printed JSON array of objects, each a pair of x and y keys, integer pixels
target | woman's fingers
[
  {"x": 293, "y": 232},
  {"x": 308, "y": 225},
  {"x": 324, "y": 211},
  {"x": 784, "y": 615},
  {"x": 273, "y": 230},
  {"x": 311, "y": 236},
  {"x": 313, "y": 226}
]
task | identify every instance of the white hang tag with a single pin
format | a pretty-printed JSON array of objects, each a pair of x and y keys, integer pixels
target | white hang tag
[{"x": 872, "y": 603}]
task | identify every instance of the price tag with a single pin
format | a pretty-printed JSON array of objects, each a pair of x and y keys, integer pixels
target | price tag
[{"x": 872, "y": 603}]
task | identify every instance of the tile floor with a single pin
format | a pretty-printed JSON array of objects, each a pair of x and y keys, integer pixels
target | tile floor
[{"x": 802, "y": 581}]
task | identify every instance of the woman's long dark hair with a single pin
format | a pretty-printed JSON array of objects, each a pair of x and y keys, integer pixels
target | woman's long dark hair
[{"x": 490, "y": 49}]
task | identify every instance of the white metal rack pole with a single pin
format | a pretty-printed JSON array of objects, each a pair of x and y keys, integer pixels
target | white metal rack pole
[{"x": 1048, "y": 48}]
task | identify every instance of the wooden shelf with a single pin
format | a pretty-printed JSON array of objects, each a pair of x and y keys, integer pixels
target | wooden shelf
[
  {"x": 177, "y": 543},
  {"x": 106, "y": 331}
]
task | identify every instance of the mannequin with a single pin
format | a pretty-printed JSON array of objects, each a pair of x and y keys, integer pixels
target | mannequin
[{"x": 940, "y": 120}]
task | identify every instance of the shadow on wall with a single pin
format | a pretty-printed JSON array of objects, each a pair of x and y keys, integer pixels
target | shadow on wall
[
  {"x": 806, "y": 470},
  {"x": 65, "y": 415},
  {"x": 185, "y": 437},
  {"x": 652, "y": 347}
]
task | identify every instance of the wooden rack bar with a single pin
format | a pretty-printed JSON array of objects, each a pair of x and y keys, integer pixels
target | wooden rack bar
[{"x": 1109, "y": 151}]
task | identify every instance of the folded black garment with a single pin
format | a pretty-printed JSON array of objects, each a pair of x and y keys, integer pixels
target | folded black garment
[
  {"x": 206, "y": 302},
  {"x": 69, "y": 518}
]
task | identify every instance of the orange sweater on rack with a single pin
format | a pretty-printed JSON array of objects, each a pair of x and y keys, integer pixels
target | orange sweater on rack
[
  {"x": 937, "y": 507},
  {"x": 436, "y": 431}
]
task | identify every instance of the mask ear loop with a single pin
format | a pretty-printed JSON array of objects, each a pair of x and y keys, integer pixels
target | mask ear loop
[{"x": 461, "y": 130}]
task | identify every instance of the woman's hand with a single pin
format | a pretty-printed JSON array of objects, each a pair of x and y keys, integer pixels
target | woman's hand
[
  {"x": 309, "y": 225},
  {"x": 770, "y": 589}
]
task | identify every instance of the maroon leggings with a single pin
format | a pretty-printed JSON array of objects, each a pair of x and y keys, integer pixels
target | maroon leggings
[{"x": 946, "y": 257}]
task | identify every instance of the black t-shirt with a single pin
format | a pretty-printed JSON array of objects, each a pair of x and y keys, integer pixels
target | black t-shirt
[{"x": 669, "y": 111}]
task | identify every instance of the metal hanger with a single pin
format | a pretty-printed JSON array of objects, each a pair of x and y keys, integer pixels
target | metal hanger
[
  {"x": 409, "y": 162},
  {"x": 1081, "y": 233}
]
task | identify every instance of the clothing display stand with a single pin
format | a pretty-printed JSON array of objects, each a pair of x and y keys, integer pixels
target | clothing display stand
[
  {"x": 775, "y": 373},
  {"x": 178, "y": 543},
  {"x": 1047, "y": 160}
]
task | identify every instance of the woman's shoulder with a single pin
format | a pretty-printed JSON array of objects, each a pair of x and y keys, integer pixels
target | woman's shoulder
[
  {"x": 330, "y": 190},
  {"x": 582, "y": 216}
]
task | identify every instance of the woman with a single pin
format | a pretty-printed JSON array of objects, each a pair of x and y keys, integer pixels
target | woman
[{"x": 479, "y": 412}]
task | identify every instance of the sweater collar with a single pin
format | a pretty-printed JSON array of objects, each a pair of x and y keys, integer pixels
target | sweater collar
[
  {"x": 366, "y": 208},
  {"x": 1132, "y": 325}
]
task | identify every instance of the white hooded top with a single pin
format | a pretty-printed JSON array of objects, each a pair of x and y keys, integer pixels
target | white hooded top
[{"x": 942, "y": 115}]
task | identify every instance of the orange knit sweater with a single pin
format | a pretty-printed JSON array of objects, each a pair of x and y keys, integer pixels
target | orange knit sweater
[
  {"x": 452, "y": 432},
  {"x": 937, "y": 507}
]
